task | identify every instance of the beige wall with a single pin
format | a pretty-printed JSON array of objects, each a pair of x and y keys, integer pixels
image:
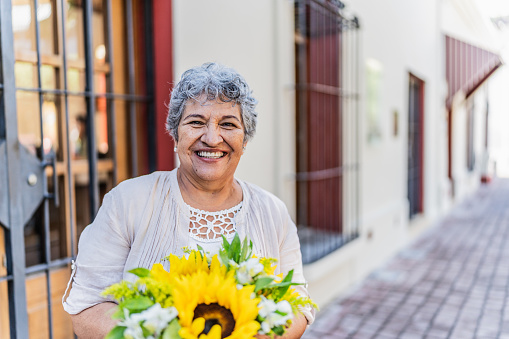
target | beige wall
[{"x": 256, "y": 39}]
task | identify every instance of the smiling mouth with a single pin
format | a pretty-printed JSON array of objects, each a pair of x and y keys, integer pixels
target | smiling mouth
[{"x": 211, "y": 155}]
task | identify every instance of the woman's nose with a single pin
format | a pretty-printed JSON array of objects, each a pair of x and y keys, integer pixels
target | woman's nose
[{"x": 212, "y": 136}]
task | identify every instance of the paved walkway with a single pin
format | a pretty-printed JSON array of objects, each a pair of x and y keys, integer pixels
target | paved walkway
[{"x": 452, "y": 282}]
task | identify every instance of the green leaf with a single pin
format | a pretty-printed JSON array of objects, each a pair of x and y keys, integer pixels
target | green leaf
[
  {"x": 226, "y": 244},
  {"x": 118, "y": 314},
  {"x": 116, "y": 333},
  {"x": 224, "y": 258},
  {"x": 284, "y": 284},
  {"x": 145, "y": 331},
  {"x": 261, "y": 283},
  {"x": 137, "y": 304},
  {"x": 288, "y": 277},
  {"x": 234, "y": 252},
  {"x": 283, "y": 287},
  {"x": 279, "y": 330},
  {"x": 200, "y": 250},
  {"x": 245, "y": 247},
  {"x": 172, "y": 330},
  {"x": 140, "y": 272}
]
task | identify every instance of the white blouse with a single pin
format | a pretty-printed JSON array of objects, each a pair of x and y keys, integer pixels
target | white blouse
[
  {"x": 144, "y": 219},
  {"x": 207, "y": 228}
]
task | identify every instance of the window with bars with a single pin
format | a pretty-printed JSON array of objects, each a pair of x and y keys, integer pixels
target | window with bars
[{"x": 327, "y": 126}]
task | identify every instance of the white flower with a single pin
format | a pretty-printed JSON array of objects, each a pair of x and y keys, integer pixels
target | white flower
[
  {"x": 134, "y": 333},
  {"x": 264, "y": 328},
  {"x": 248, "y": 269},
  {"x": 284, "y": 307},
  {"x": 157, "y": 318},
  {"x": 266, "y": 306},
  {"x": 274, "y": 314},
  {"x": 132, "y": 322}
]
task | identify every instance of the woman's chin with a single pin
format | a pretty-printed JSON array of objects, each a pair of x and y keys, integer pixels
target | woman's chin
[{"x": 212, "y": 175}]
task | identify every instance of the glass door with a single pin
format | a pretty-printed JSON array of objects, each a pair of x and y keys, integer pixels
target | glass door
[{"x": 76, "y": 109}]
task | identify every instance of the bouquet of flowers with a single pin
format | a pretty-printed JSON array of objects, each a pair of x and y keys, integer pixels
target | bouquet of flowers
[{"x": 232, "y": 295}]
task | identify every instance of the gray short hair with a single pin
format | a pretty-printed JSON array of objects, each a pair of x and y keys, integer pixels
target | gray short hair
[{"x": 216, "y": 82}]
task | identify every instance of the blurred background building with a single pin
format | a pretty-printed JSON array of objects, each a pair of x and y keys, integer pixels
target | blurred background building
[{"x": 374, "y": 119}]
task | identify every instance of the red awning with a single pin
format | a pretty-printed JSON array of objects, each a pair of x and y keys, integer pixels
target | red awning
[{"x": 467, "y": 67}]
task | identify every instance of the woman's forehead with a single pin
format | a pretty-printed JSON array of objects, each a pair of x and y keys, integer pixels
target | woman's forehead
[{"x": 216, "y": 107}]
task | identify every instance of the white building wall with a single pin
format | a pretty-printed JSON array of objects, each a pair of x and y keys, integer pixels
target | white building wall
[
  {"x": 498, "y": 121},
  {"x": 405, "y": 39},
  {"x": 463, "y": 20},
  {"x": 257, "y": 39},
  {"x": 403, "y": 36}
]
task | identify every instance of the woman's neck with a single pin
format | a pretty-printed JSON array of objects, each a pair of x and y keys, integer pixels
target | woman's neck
[{"x": 209, "y": 196}]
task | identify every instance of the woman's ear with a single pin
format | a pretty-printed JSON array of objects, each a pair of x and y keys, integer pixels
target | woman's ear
[
  {"x": 244, "y": 147},
  {"x": 174, "y": 142}
]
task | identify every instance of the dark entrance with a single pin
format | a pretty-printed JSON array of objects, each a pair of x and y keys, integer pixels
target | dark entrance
[{"x": 415, "y": 144}]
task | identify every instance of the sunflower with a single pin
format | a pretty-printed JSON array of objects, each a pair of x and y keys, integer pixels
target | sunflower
[{"x": 211, "y": 307}]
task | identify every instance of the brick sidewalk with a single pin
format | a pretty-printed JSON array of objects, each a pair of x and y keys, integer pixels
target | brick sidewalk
[{"x": 453, "y": 282}]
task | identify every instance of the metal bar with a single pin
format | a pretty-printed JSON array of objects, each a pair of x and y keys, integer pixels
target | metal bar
[
  {"x": 345, "y": 131},
  {"x": 131, "y": 81},
  {"x": 14, "y": 237},
  {"x": 47, "y": 266},
  {"x": 302, "y": 101},
  {"x": 112, "y": 140},
  {"x": 6, "y": 278},
  {"x": 47, "y": 243},
  {"x": 149, "y": 64},
  {"x": 357, "y": 128},
  {"x": 72, "y": 226},
  {"x": 141, "y": 98},
  {"x": 327, "y": 6},
  {"x": 93, "y": 185}
]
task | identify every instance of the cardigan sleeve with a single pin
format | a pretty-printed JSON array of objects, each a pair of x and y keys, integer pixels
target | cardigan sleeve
[
  {"x": 291, "y": 258},
  {"x": 102, "y": 252}
]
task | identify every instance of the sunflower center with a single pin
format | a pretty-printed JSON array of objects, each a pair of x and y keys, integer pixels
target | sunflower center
[{"x": 214, "y": 314}]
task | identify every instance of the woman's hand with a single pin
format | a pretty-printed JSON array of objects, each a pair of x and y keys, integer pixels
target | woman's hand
[
  {"x": 295, "y": 331},
  {"x": 94, "y": 322}
]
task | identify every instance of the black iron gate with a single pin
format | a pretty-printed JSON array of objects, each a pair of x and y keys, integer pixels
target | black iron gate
[
  {"x": 327, "y": 50},
  {"x": 61, "y": 147}
]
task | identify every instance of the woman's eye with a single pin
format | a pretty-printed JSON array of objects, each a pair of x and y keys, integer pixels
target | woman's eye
[
  {"x": 195, "y": 122},
  {"x": 229, "y": 124}
]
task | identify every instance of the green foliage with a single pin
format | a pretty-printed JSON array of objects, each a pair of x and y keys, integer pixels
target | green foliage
[
  {"x": 116, "y": 333},
  {"x": 263, "y": 283},
  {"x": 279, "y": 330},
  {"x": 140, "y": 272},
  {"x": 136, "y": 304},
  {"x": 121, "y": 291},
  {"x": 236, "y": 251},
  {"x": 172, "y": 331},
  {"x": 146, "y": 291}
]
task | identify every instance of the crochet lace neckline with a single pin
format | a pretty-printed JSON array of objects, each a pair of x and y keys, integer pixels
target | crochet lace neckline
[{"x": 205, "y": 226}]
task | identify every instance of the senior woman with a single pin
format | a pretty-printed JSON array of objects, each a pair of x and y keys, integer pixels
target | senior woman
[{"x": 211, "y": 118}]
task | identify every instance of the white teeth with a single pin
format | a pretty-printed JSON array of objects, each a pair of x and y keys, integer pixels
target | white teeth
[{"x": 212, "y": 155}]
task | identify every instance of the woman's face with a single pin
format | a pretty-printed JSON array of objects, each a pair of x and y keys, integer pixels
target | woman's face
[{"x": 211, "y": 140}]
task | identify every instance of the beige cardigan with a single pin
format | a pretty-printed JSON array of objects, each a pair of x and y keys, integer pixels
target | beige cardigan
[{"x": 144, "y": 219}]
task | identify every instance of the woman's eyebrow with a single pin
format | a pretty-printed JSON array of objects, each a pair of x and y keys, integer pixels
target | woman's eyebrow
[
  {"x": 231, "y": 116},
  {"x": 194, "y": 115}
]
